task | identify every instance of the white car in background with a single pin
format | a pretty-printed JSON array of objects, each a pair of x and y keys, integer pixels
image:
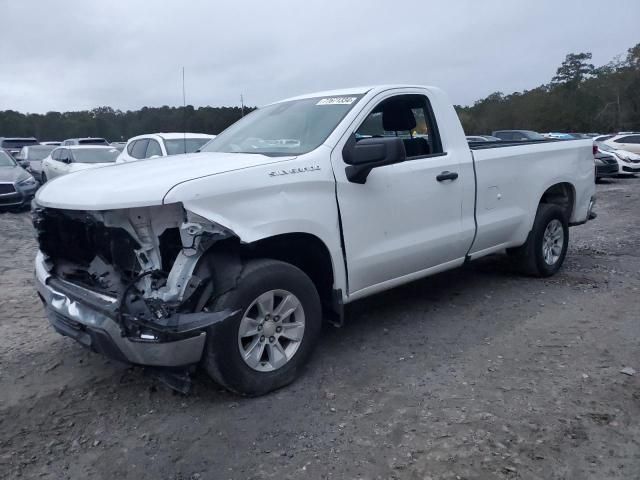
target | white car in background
[
  {"x": 85, "y": 141},
  {"x": 72, "y": 158},
  {"x": 154, "y": 145},
  {"x": 628, "y": 141},
  {"x": 628, "y": 162}
]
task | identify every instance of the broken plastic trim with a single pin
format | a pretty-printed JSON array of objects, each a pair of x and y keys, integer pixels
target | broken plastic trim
[{"x": 180, "y": 323}]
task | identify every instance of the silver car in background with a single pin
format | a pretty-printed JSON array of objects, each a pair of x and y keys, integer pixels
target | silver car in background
[
  {"x": 17, "y": 186},
  {"x": 31, "y": 156}
]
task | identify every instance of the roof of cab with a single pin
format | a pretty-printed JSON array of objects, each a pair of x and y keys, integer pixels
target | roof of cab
[{"x": 349, "y": 91}]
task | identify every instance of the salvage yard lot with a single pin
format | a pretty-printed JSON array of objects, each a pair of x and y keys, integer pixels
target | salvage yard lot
[{"x": 475, "y": 373}]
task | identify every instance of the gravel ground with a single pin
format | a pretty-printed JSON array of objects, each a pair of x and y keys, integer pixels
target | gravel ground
[{"x": 474, "y": 373}]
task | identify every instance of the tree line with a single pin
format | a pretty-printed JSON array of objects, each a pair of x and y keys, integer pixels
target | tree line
[
  {"x": 116, "y": 125},
  {"x": 579, "y": 98}
]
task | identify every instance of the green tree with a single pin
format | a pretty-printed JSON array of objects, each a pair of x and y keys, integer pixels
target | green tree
[{"x": 574, "y": 69}]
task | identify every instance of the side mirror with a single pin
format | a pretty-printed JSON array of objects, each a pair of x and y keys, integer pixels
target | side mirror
[
  {"x": 24, "y": 163},
  {"x": 368, "y": 153}
]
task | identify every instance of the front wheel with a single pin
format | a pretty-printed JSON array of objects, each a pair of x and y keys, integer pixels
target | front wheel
[
  {"x": 267, "y": 344},
  {"x": 546, "y": 247}
]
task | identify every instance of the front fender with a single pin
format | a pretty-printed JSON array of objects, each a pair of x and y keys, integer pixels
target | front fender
[{"x": 261, "y": 202}]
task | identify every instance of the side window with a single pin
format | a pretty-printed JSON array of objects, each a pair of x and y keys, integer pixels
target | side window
[
  {"x": 629, "y": 139},
  {"x": 55, "y": 155},
  {"x": 406, "y": 116},
  {"x": 130, "y": 146},
  {"x": 153, "y": 149},
  {"x": 63, "y": 155},
  {"x": 139, "y": 149}
]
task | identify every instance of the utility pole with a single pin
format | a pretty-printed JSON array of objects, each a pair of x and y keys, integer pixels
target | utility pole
[{"x": 241, "y": 105}]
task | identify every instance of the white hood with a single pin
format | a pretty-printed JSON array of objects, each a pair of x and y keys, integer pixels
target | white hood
[{"x": 142, "y": 183}]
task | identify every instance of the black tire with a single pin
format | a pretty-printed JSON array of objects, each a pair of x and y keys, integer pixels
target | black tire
[
  {"x": 530, "y": 257},
  {"x": 222, "y": 358}
]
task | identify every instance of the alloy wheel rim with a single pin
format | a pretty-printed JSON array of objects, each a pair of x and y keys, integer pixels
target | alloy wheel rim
[
  {"x": 271, "y": 330},
  {"x": 552, "y": 242}
]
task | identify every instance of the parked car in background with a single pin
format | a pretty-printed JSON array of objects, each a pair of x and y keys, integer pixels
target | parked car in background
[
  {"x": 602, "y": 138},
  {"x": 31, "y": 156},
  {"x": 17, "y": 186},
  {"x": 606, "y": 164},
  {"x": 85, "y": 141},
  {"x": 558, "y": 136},
  {"x": 156, "y": 145},
  {"x": 482, "y": 138},
  {"x": 628, "y": 142},
  {"x": 476, "y": 138},
  {"x": 14, "y": 144},
  {"x": 64, "y": 160},
  {"x": 628, "y": 162},
  {"x": 119, "y": 145},
  {"x": 581, "y": 136},
  {"x": 54, "y": 143},
  {"x": 517, "y": 135}
]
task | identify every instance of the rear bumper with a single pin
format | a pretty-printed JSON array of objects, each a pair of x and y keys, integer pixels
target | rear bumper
[{"x": 90, "y": 319}]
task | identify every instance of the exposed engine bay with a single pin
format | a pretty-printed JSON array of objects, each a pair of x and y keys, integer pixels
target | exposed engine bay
[{"x": 147, "y": 261}]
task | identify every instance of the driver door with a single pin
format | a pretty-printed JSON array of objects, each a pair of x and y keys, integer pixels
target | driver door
[{"x": 403, "y": 222}]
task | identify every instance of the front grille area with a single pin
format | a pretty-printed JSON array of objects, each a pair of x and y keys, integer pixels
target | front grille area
[
  {"x": 7, "y": 188},
  {"x": 74, "y": 239}
]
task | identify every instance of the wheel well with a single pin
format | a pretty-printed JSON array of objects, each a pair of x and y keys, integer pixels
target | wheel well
[
  {"x": 561, "y": 194},
  {"x": 305, "y": 251}
]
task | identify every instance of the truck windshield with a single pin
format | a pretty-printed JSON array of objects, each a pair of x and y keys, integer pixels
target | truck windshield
[{"x": 287, "y": 128}]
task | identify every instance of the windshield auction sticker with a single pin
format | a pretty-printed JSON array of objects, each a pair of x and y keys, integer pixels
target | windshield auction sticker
[{"x": 337, "y": 101}]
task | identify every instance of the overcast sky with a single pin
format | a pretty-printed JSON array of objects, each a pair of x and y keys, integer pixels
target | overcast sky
[{"x": 79, "y": 54}]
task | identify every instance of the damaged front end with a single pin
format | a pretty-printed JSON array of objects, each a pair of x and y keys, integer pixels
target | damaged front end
[{"x": 129, "y": 283}]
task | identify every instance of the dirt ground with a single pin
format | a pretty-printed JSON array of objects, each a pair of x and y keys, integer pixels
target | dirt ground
[{"x": 475, "y": 373}]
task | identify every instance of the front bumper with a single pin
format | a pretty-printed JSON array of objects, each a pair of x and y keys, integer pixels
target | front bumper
[
  {"x": 90, "y": 319},
  {"x": 20, "y": 198},
  {"x": 635, "y": 168},
  {"x": 607, "y": 170}
]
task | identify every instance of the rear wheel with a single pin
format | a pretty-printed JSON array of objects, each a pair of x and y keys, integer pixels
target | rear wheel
[
  {"x": 546, "y": 247},
  {"x": 266, "y": 345}
]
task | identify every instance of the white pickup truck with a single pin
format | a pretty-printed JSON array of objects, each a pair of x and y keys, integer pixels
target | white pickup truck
[{"x": 231, "y": 258}]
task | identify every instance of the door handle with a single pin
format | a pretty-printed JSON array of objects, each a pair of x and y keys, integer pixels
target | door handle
[{"x": 446, "y": 175}]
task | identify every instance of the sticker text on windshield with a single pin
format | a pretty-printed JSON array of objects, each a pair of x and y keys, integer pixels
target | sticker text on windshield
[{"x": 337, "y": 101}]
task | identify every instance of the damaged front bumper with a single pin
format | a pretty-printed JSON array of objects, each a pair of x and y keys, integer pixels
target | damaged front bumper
[{"x": 92, "y": 319}]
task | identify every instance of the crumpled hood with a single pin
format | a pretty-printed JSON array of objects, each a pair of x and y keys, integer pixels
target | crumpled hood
[
  {"x": 13, "y": 174},
  {"x": 139, "y": 184}
]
